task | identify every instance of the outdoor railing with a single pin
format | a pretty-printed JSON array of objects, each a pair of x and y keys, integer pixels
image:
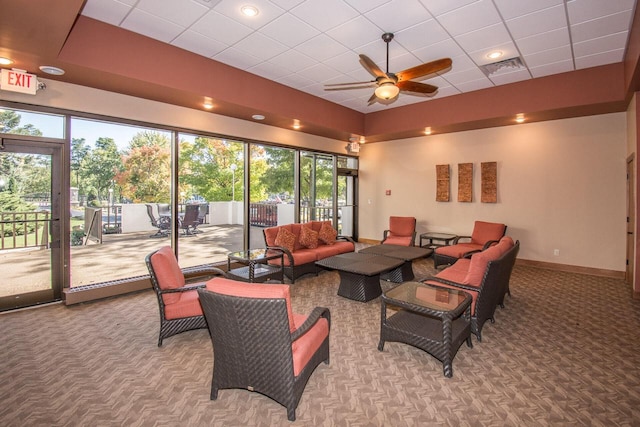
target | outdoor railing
[
  {"x": 24, "y": 229},
  {"x": 263, "y": 214},
  {"x": 315, "y": 213}
]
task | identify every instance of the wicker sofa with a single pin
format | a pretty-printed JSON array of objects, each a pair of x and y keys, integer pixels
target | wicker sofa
[{"x": 304, "y": 244}]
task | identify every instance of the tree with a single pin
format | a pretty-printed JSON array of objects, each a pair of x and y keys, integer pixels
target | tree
[
  {"x": 146, "y": 172},
  {"x": 10, "y": 123},
  {"x": 103, "y": 163},
  {"x": 79, "y": 153}
]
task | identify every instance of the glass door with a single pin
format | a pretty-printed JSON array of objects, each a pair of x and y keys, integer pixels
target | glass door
[{"x": 30, "y": 226}]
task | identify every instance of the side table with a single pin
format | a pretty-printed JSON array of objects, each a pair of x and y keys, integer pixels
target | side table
[
  {"x": 443, "y": 239},
  {"x": 432, "y": 318},
  {"x": 256, "y": 268}
]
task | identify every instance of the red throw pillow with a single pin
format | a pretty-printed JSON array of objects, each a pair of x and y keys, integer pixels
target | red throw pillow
[
  {"x": 286, "y": 239},
  {"x": 327, "y": 234},
  {"x": 308, "y": 237}
]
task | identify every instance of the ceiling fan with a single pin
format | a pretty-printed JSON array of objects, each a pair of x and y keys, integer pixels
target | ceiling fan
[{"x": 389, "y": 85}]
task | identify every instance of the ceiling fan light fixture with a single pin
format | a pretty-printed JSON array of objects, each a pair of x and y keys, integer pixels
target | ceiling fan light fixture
[{"x": 387, "y": 90}]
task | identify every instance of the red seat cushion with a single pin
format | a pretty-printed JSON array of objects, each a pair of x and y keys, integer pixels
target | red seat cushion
[
  {"x": 392, "y": 239},
  {"x": 485, "y": 231},
  {"x": 458, "y": 251},
  {"x": 306, "y": 346},
  {"x": 456, "y": 272},
  {"x": 168, "y": 273},
  {"x": 188, "y": 305}
]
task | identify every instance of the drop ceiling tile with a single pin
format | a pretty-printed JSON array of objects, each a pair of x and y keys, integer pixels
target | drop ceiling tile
[
  {"x": 364, "y": 6},
  {"x": 598, "y": 59},
  {"x": 237, "y": 58},
  {"x": 321, "y": 47},
  {"x": 316, "y": 13},
  {"x": 355, "y": 33},
  {"x": 387, "y": 18},
  {"x": 109, "y": 11},
  {"x": 554, "y": 68},
  {"x": 415, "y": 37},
  {"x": 484, "y": 38},
  {"x": 543, "y": 41},
  {"x": 219, "y": 27},
  {"x": 293, "y": 60},
  {"x": 269, "y": 70},
  {"x": 506, "y": 78},
  {"x": 260, "y": 46},
  {"x": 464, "y": 76},
  {"x": 510, "y": 9},
  {"x": 347, "y": 62},
  {"x": 295, "y": 81},
  {"x": 181, "y": 13},
  {"x": 444, "y": 49},
  {"x": 600, "y": 45},
  {"x": 595, "y": 28},
  {"x": 197, "y": 43},
  {"x": 289, "y": 30},
  {"x": 286, "y": 4},
  {"x": 482, "y": 83},
  {"x": 548, "y": 56},
  {"x": 267, "y": 12},
  {"x": 470, "y": 18},
  {"x": 152, "y": 26},
  {"x": 439, "y": 7},
  {"x": 537, "y": 22},
  {"x": 318, "y": 73},
  {"x": 587, "y": 10}
]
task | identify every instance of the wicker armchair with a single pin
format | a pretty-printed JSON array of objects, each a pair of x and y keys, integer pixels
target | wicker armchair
[
  {"x": 178, "y": 302},
  {"x": 259, "y": 344},
  {"x": 485, "y": 276},
  {"x": 402, "y": 231},
  {"x": 484, "y": 235}
]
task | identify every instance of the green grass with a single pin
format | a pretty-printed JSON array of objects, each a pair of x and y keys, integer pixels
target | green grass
[{"x": 8, "y": 242}]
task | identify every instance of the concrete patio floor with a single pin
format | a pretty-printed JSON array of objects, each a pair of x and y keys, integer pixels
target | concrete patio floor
[{"x": 120, "y": 256}]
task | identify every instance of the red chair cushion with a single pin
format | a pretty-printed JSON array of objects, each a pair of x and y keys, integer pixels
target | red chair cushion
[
  {"x": 458, "y": 251},
  {"x": 402, "y": 225},
  {"x": 485, "y": 231},
  {"x": 306, "y": 346},
  {"x": 168, "y": 273},
  {"x": 188, "y": 305},
  {"x": 456, "y": 272},
  {"x": 392, "y": 239},
  {"x": 230, "y": 287}
]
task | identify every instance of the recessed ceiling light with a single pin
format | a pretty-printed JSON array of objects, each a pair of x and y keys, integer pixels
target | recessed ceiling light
[
  {"x": 520, "y": 118},
  {"x": 495, "y": 54},
  {"x": 296, "y": 124},
  {"x": 427, "y": 130},
  {"x": 257, "y": 117},
  {"x": 49, "y": 69},
  {"x": 5, "y": 61},
  {"x": 249, "y": 10},
  {"x": 208, "y": 103}
]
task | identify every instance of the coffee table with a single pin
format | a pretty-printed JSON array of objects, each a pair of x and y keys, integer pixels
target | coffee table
[
  {"x": 360, "y": 273},
  {"x": 405, "y": 253},
  {"x": 255, "y": 265},
  {"x": 432, "y": 318}
]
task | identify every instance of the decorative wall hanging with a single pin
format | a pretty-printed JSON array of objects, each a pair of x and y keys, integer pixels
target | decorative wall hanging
[
  {"x": 489, "y": 176},
  {"x": 442, "y": 183},
  {"x": 465, "y": 182}
]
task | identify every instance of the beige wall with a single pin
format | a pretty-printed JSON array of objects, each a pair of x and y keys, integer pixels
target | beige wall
[{"x": 561, "y": 185}]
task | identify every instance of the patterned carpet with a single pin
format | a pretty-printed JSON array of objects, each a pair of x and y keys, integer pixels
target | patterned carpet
[{"x": 562, "y": 352}]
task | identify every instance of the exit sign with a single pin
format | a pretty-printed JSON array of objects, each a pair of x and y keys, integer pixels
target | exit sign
[{"x": 18, "y": 81}]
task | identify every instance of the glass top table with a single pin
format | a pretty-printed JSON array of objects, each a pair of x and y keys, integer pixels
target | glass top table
[
  {"x": 442, "y": 239},
  {"x": 432, "y": 318},
  {"x": 255, "y": 265}
]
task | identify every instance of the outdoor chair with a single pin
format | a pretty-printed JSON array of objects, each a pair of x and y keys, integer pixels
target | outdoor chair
[
  {"x": 162, "y": 223},
  {"x": 259, "y": 344},
  {"x": 402, "y": 231},
  {"x": 164, "y": 209},
  {"x": 178, "y": 302},
  {"x": 484, "y": 235},
  {"x": 189, "y": 221}
]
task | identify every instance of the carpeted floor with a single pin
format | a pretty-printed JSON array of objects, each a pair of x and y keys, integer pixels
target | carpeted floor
[{"x": 562, "y": 352}]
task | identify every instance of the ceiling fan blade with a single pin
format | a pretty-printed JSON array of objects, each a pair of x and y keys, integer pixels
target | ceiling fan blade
[
  {"x": 350, "y": 87},
  {"x": 410, "y": 86},
  {"x": 371, "y": 67},
  {"x": 372, "y": 100},
  {"x": 369, "y": 83},
  {"x": 424, "y": 69}
]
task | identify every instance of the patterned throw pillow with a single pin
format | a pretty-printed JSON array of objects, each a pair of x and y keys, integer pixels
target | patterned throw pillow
[
  {"x": 327, "y": 234},
  {"x": 308, "y": 237},
  {"x": 286, "y": 239}
]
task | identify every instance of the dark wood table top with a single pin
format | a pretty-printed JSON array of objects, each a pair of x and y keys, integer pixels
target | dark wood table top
[
  {"x": 406, "y": 253},
  {"x": 359, "y": 263}
]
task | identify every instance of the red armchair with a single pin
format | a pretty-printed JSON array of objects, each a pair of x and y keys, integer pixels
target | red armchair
[
  {"x": 259, "y": 344},
  {"x": 484, "y": 235},
  {"x": 402, "y": 231},
  {"x": 178, "y": 302}
]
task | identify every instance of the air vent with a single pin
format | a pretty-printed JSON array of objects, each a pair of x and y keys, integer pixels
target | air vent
[
  {"x": 504, "y": 66},
  {"x": 209, "y": 3}
]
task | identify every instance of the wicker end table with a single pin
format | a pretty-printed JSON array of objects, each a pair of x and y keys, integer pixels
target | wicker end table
[
  {"x": 256, "y": 268},
  {"x": 442, "y": 239},
  {"x": 432, "y": 318}
]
